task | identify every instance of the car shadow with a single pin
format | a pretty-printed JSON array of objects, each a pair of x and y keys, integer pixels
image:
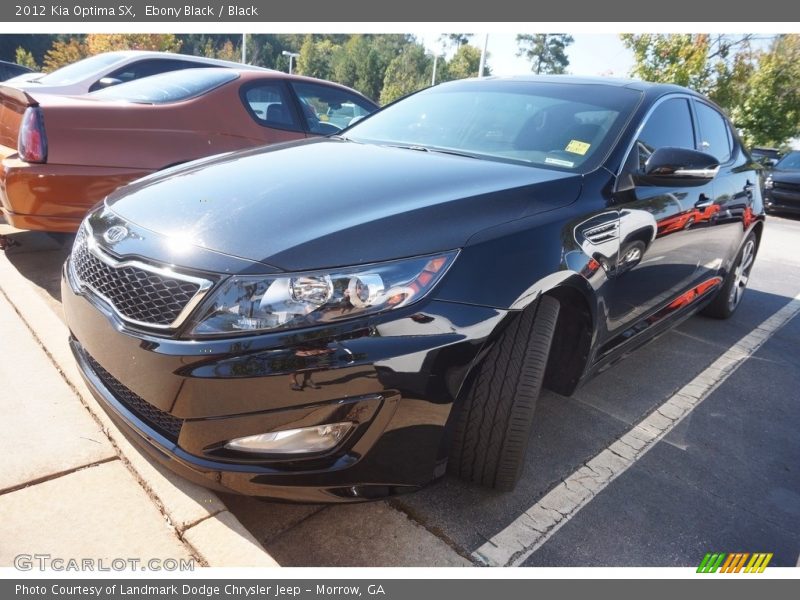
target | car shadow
[
  {"x": 568, "y": 432},
  {"x": 38, "y": 256}
]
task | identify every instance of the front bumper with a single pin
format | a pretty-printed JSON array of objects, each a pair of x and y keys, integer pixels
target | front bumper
[
  {"x": 396, "y": 377},
  {"x": 782, "y": 200}
]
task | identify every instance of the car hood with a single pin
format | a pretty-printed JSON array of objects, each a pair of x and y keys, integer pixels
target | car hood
[
  {"x": 329, "y": 202},
  {"x": 785, "y": 176}
]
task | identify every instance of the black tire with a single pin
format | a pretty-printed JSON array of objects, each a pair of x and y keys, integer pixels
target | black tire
[
  {"x": 733, "y": 287},
  {"x": 492, "y": 428}
]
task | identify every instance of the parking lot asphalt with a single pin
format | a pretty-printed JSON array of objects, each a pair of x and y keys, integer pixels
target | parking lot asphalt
[{"x": 726, "y": 478}]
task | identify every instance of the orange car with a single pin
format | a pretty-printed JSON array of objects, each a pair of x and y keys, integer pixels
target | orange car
[{"x": 62, "y": 154}]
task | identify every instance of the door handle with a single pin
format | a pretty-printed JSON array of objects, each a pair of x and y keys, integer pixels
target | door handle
[
  {"x": 703, "y": 202},
  {"x": 748, "y": 188}
]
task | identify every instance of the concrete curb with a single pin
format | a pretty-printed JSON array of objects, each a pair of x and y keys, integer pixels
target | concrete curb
[{"x": 198, "y": 516}]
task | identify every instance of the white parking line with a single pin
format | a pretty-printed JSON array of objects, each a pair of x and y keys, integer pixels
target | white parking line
[{"x": 528, "y": 532}]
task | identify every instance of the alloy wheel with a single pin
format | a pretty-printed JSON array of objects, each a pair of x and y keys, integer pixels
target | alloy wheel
[{"x": 742, "y": 274}]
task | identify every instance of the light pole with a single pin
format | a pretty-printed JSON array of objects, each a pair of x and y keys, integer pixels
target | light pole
[
  {"x": 482, "y": 65},
  {"x": 292, "y": 56},
  {"x": 244, "y": 48},
  {"x": 435, "y": 60}
]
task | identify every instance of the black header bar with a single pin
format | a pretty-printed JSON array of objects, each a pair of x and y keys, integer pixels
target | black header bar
[{"x": 377, "y": 11}]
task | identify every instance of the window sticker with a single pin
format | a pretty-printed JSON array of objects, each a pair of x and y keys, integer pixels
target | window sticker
[
  {"x": 559, "y": 162},
  {"x": 578, "y": 147}
]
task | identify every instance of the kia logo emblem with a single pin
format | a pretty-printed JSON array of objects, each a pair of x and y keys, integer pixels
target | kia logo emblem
[{"x": 115, "y": 234}]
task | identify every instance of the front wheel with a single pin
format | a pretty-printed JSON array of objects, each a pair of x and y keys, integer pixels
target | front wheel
[
  {"x": 491, "y": 430},
  {"x": 733, "y": 287}
]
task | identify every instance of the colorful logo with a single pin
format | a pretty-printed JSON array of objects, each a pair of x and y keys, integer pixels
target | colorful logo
[{"x": 735, "y": 562}]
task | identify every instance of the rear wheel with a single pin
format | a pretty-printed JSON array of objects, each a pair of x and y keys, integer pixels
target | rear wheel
[
  {"x": 492, "y": 428},
  {"x": 730, "y": 295}
]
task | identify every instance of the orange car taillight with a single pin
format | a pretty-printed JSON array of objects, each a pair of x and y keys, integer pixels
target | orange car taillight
[{"x": 32, "y": 142}]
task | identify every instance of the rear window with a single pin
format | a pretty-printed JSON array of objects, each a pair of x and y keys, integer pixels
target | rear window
[
  {"x": 168, "y": 87},
  {"x": 81, "y": 69}
]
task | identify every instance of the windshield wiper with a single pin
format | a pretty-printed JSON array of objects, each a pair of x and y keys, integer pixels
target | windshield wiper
[
  {"x": 407, "y": 147},
  {"x": 419, "y": 148},
  {"x": 453, "y": 152}
]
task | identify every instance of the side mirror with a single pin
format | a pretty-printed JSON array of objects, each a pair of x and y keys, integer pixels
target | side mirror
[
  {"x": 678, "y": 167},
  {"x": 106, "y": 82}
]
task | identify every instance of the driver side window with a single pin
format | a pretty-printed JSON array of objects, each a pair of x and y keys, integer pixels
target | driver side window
[
  {"x": 328, "y": 110},
  {"x": 670, "y": 125}
]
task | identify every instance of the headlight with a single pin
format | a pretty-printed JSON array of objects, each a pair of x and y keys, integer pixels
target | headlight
[
  {"x": 247, "y": 304},
  {"x": 768, "y": 183}
]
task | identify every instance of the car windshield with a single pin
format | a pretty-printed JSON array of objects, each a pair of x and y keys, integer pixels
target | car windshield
[
  {"x": 790, "y": 162},
  {"x": 81, "y": 69},
  {"x": 168, "y": 87},
  {"x": 563, "y": 126}
]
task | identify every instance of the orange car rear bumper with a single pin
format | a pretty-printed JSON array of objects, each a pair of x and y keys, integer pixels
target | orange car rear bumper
[{"x": 49, "y": 197}]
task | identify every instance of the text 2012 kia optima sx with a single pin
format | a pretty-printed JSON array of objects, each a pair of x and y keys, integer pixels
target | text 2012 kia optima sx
[{"x": 351, "y": 317}]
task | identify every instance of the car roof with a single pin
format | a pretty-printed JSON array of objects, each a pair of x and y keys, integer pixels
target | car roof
[
  {"x": 636, "y": 84},
  {"x": 126, "y": 54}
]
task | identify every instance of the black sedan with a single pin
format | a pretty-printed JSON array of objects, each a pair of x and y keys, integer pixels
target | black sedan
[
  {"x": 782, "y": 185},
  {"x": 347, "y": 318}
]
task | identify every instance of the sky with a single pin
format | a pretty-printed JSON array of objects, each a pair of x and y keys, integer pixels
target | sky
[{"x": 590, "y": 54}]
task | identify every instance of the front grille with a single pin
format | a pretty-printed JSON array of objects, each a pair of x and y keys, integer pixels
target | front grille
[
  {"x": 137, "y": 294},
  {"x": 786, "y": 186},
  {"x": 156, "y": 418}
]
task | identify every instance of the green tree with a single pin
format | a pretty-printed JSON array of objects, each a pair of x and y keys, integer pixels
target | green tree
[
  {"x": 679, "y": 59},
  {"x": 358, "y": 64},
  {"x": 64, "y": 52},
  {"x": 315, "y": 58},
  {"x": 408, "y": 72},
  {"x": 229, "y": 51},
  {"x": 465, "y": 63},
  {"x": 758, "y": 89},
  {"x": 547, "y": 52},
  {"x": 264, "y": 50},
  {"x": 361, "y": 61},
  {"x": 107, "y": 42},
  {"x": 768, "y": 113},
  {"x": 454, "y": 40},
  {"x": 224, "y": 45},
  {"x": 699, "y": 61},
  {"x": 25, "y": 58}
]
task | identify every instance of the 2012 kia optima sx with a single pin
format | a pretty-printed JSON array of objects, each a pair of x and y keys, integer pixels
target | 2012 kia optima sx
[{"x": 351, "y": 317}]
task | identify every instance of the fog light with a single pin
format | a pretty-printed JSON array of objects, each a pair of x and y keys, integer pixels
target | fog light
[
  {"x": 293, "y": 441},
  {"x": 364, "y": 290}
]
